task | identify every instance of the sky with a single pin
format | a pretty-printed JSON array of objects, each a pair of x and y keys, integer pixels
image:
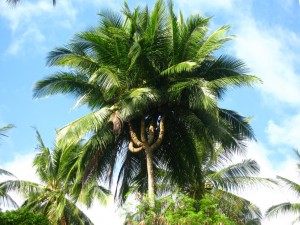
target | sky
[{"x": 266, "y": 39}]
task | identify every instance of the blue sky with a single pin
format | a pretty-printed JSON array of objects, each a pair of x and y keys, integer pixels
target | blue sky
[{"x": 267, "y": 39}]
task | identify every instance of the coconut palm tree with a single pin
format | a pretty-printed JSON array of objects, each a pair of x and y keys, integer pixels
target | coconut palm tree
[
  {"x": 287, "y": 207},
  {"x": 153, "y": 82},
  {"x": 55, "y": 196}
]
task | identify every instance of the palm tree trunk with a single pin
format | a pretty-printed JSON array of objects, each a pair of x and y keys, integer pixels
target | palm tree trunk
[
  {"x": 63, "y": 220},
  {"x": 146, "y": 144},
  {"x": 150, "y": 171}
]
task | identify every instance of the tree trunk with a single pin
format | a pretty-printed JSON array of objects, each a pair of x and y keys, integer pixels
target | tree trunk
[
  {"x": 150, "y": 171},
  {"x": 63, "y": 220},
  {"x": 147, "y": 143}
]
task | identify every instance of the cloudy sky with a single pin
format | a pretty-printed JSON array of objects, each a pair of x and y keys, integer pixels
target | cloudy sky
[{"x": 267, "y": 39}]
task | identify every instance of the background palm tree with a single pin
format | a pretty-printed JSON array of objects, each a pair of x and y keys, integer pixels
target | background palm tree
[
  {"x": 53, "y": 197},
  {"x": 287, "y": 207},
  {"x": 231, "y": 179},
  {"x": 153, "y": 82},
  {"x": 5, "y": 198}
]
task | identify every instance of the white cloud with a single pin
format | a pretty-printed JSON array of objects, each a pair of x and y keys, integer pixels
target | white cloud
[
  {"x": 270, "y": 53},
  {"x": 285, "y": 133},
  {"x": 104, "y": 215},
  {"x": 29, "y": 21},
  {"x": 30, "y": 34},
  {"x": 23, "y": 13},
  {"x": 204, "y": 5},
  {"x": 21, "y": 167},
  {"x": 27, "y": 13}
]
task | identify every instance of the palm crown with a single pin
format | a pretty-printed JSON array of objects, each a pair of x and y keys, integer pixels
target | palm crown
[{"x": 153, "y": 82}]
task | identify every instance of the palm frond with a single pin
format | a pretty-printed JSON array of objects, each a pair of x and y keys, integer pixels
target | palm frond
[
  {"x": 293, "y": 186},
  {"x": 284, "y": 208},
  {"x": 76, "y": 130},
  {"x": 213, "y": 43},
  {"x": 180, "y": 68},
  {"x": 6, "y": 173},
  {"x": 194, "y": 93},
  {"x": 238, "y": 209},
  {"x": 6, "y": 200},
  {"x": 5, "y": 129},
  {"x": 24, "y": 187},
  {"x": 137, "y": 101},
  {"x": 191, "y": 32},
  {"x": 42, "y": 160},
  {"x": 74, "y": 55},
  {"x": 66, "y": 82}
]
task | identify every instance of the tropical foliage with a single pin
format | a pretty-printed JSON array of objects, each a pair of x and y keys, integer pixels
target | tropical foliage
[
  {"x": 288, "y": 207},
  {"x": 178, "y": 209},
  {"x": 22, "y": 216},
  {"x": 55, "y": 196},
  {"x": 227, "y": 180},
  {"x": 153, "y": 81}
]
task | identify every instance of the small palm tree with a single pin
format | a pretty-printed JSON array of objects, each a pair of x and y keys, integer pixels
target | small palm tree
[
  {"x": 54, "y": 196},
  {"x": 287, "y": 207}
]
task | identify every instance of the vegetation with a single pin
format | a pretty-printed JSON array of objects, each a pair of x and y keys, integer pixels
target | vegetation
[
  {"x": 287, "y": 207},
  {"x": 22, "y": 216},
  {"x": 152, "y": 80},
  {"x": 178, "y": 209},
  {"x": 226, "y": 179},
  {"x": 56, "y": 196}
]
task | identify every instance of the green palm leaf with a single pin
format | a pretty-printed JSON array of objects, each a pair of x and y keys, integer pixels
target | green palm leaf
[
  {"x": 293, "y": 186},
  {"x": 213, "y": 43},
  {"x": 284, "y": 208},
  {"x": 76, "y": 130}
]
